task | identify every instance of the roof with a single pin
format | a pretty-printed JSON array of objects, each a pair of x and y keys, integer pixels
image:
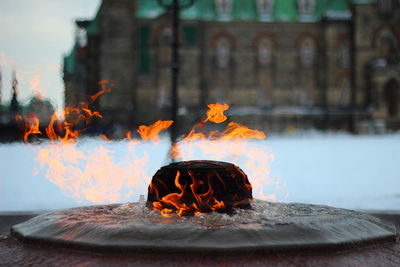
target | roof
[
  {"x": 242, "y": 10},
  {"x": 70, "y": 60},
  {"x": 246, "y": 10},
  {"x": 364, "y": 1},
  {"x": 94, "y": 26},
  {"x": 338, "y": 9}
]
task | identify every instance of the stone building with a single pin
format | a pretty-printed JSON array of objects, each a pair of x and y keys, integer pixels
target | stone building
[{"x": 330, "y": 64}]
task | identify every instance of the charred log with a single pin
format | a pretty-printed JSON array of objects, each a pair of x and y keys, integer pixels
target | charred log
[{"x": 190, "y": 187}]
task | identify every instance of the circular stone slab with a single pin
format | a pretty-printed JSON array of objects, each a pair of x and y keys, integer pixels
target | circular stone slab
[{"x": 267, "y": 226}]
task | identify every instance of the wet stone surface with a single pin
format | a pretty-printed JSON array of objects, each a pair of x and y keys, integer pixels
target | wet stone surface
[{"x": 267, "y": 226}]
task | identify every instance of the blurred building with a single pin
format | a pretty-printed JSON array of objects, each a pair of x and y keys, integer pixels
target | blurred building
[
  {"x": 330, "y": 64},
  {"x": 13, "y": 114}
]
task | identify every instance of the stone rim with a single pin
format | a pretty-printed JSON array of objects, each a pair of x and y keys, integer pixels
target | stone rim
[{"x": 340, "y": 231}]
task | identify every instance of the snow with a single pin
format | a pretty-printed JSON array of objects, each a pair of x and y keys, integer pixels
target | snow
[{"x": 356, "y": 172}]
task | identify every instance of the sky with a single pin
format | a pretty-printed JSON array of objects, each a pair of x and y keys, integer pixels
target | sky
[{"x": 34, "y": 36}]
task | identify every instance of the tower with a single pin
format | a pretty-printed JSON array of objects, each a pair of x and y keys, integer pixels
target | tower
[
  {"x": 1, "y": 84},
  {"x": 14, "y": 105},
  {"x": 116, "y": 47}
]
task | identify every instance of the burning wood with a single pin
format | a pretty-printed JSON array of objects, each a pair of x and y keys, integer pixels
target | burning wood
[{"x": 191, "y": 187}]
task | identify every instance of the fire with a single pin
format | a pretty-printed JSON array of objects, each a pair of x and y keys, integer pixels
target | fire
[
  {"x": 51, "y": 134},
  {"x": 233, "y": 131},
  {"x": 106, "y": 86},
  {"x": 74, "y": 116},
  {"x": 151, "y": 132},
  {"x": 86, "y": 173},
  {"x": 173, "y": 199},
  {"x": 216, "y": 112},
  {"x": 93, "y": 174},
  {"x": 232, "y": 142},
  {"x": 199, "y": 186},
  {"x": 105, "y": 137},
  {"x": 176, "y": 200},
  {"x": 31, "y": 125}
]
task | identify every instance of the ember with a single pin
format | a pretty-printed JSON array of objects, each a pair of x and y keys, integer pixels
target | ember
[{"x": 191, "y": 187}]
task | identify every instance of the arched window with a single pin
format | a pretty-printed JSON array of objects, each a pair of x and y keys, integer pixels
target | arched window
[
  {"x": 163, "y": 64},
  {"x": 387, "y": 45},
  {"x": 344, "y": 89},
  {"x": 307, "y": 52},
  {"x": 81, "y": 37},
  {"x": 391, "y": 91},
  {"x": 344, "y": 54},
  {"x": 223, "y": 52},
  {"x": 306, "y": 6},
  {"x": 265, "y": 9},
  {"x": 164, "y": 46},
  {"x": 264, "y": 52},
  {"x": 385, "y": 6},
  {"x": 224, "y": 8},
  {"x": 306, "y": 73}
]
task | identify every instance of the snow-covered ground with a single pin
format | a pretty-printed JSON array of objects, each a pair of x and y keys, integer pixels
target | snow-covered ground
[{"x": 356, "y": 172}]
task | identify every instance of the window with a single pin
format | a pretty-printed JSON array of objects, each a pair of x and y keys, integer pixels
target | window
[
  {"x": 190, "y": 33},
  {"x": 264, "y": 52},
  {"x": 144, "y": 53},
  {"x": 307, "y": 52},
  {"x": 164, "y": 70},
  {"x": 223, "y": 52},
  {"x": 387, "y": 44},
  {"x": 165, "y": 37},
  {"x": 164, "y": 43},
  {"x": 385, "y": 6},
  {"x": 306, "y": 6},
  {"x": 224, "y": 8},
  {"x": 344, "y": 54},
  {"x": 81, "y": 37},
  {"x": 265, "y": 9},
  {"x": 344, "y": 97}
]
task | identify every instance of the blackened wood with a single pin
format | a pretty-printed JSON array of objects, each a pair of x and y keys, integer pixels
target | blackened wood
[{"x": 227, "y": 181}]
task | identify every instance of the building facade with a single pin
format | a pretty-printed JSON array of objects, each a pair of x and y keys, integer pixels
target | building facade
[{"x": 330, "y": 64}]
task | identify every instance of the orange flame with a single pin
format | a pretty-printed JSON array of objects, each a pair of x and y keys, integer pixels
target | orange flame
[
  {"x": 31, "y": 126},
  {"x": 233, "y": 131},
  {"x": 93, "y": 183},
  {"x": 237, "y": 131},
  {"x": 216, "y": 112},
  {"x": 128, "y": 135},
  {"x": 73, "y": 117},
  {"x": 230, "y": 143},
  {"x": 93, "y": 174},
  {"x": 174, "y": 151},
  {"x": 106, "y": 86},
  {"x": 105, "y": 137},
  {"x": 51, "y": 134},
  {"x": 176, "y": 199},
  {"x": 151, "y": 132}
]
